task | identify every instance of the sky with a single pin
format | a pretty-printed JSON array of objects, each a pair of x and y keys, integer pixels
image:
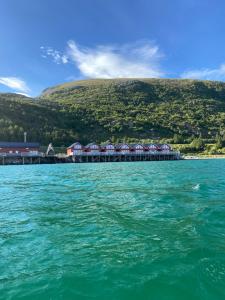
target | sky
[{"x": 47, "y": 42}]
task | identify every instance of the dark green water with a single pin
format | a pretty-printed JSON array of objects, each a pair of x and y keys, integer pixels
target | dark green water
[{"x": 152, "y": 230}]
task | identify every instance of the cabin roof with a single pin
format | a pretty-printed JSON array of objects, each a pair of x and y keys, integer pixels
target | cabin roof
[
  {"x": 18, "y": 145},
  {"x": 91, "y": 144},
  {"x": 107, "y": 144},
  {"x": 137, "y": 144},
  {"x": 118, "y": 146},
  {"x": 150, "y": 145},
  {"x": 74, "y": 144}
]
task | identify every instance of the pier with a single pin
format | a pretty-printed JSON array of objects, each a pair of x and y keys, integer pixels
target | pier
[
  {"x": 33, "y": 159},
  {"x": 86, "y": 158},
  {"x": 13, "y": 153}
]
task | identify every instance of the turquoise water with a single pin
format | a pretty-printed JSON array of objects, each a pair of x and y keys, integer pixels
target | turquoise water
[{"x": 139, "y": 230}]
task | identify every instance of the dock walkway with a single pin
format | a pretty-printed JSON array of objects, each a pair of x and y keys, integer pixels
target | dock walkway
[{"x": 20, "y": 159}]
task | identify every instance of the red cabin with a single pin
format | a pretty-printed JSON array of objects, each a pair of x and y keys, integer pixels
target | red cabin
[
  {"x": 152, "y": 147},
  {"x": 123, "y": 148},
  {"x": 14, "y": 148},
  {"x": 165, "y": 148},
  {"x": 75, "y": 149},
  {"x": 92, "y": 148},
  {"x": 108, "y": 148},
  {"x": 137, "y": 148}
]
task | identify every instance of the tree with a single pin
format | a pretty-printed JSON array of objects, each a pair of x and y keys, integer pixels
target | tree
[
  {"x": 177, "y": 139},
  {"x": 197, "y": 144},
  {"x": 219, "y": 142}
]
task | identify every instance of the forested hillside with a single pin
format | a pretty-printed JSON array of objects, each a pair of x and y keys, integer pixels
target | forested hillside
[{"x": 120, "y": 109}]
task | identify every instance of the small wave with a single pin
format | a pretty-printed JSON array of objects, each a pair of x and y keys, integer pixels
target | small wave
[{"x": 196, "y": 187}]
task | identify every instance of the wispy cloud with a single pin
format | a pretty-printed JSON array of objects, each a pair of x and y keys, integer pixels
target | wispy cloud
[
  {"x": 206, "y": 74},
  {"x": 134, "y": 60},
  {"x": 15, "y": 83},
  {"x": 141, "y": 59},
  {"x": 57, "y": 56}
]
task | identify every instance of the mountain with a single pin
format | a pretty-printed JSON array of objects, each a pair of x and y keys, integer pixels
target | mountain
[{"x": 117, "y": 109}]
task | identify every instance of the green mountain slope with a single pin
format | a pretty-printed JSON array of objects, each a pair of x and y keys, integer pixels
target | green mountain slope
[{"x": 102, "y": 109}]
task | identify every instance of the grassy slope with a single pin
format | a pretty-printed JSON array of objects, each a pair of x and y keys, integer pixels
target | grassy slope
[{"x": 120, "y": 108}]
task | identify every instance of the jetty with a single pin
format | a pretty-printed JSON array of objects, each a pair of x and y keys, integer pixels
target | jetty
[
  {"x": 29, "y": 153},
  {"x": 25, "y": 153},
  {"x": 33, "y": 159}
]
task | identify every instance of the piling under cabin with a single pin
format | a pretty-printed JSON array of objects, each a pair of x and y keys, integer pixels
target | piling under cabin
[{"x": 75, "y": 149}]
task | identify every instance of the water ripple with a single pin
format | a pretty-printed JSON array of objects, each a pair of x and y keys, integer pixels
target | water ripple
[{"x": 113, "y": 231}]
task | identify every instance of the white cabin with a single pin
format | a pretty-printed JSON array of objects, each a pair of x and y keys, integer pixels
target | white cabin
[
  {"x": 165, "y": 148},
  {"x": 138, "y": 148},
  {"x": 93, "y": 148},
  {"x": 108, "y": 148},
  {"x": 75, "y": 149},
  {"x": 123, "y": 148},
  {"x": 152, "y": 147}
]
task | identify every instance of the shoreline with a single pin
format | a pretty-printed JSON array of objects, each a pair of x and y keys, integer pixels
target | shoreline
[{"x": 196, "y": 157}]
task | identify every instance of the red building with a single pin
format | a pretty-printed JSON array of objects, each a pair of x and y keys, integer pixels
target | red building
[
  {"x": 92, "y": 148},
  {"x": 74, "y": 149},
  {"x": 137, "y": 148},
  {"x": 123, "y": 148},
  {"x": 151, "y": 147},
  {"x": 14, "y": 148},
  {"x": 110, "y": 149},
  {"x": 165, "y": 147}
]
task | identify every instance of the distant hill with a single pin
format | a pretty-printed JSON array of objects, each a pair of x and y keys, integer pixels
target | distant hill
[{"x": 117, "y": 109}]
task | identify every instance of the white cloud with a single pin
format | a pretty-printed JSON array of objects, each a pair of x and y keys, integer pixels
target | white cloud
[
  {"x": 15, "y": 84},
  {"x": 140, "y": 59},
  {"x": 206, "y": 74},
  {"x": 133, "y": 60},
  {"x": 56, "y": 55}
]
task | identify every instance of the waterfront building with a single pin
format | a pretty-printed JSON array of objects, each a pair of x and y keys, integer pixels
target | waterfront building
[
  {"x": 108, "y": 148},
  {"x": 137, "y": 148},
  {"x": 152, "y": 147},
  {"x": 92, "y": 148},
  {"x": 75, "y": 149},
  {"x": 19, "y": 149},
  {"x": 123, "y": 148},
  {"x": 165, "y": 148}
]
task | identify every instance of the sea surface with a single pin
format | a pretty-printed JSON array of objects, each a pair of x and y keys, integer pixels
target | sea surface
[{"x": 141, "y": 230}]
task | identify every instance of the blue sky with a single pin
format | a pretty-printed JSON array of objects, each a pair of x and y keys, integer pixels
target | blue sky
[{"x": 47, "y": 42}]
